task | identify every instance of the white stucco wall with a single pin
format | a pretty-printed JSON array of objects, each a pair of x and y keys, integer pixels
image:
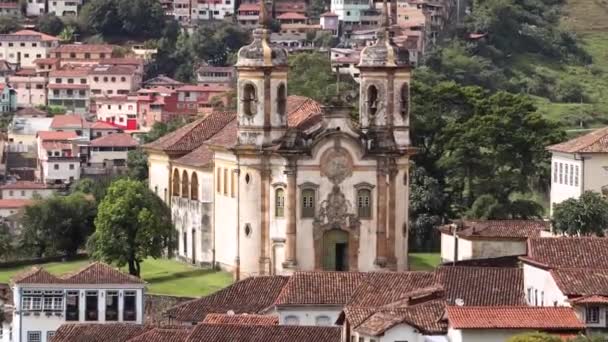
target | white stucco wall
[
  {"x": 64, "y": 173},
  {"x": 563, "y": 187},
  {"x": 482, "y": 335},
  {"x": 26, "y": 193},
  {"x": 539, "y": 281},
  {"x": 479, "y": 249},
  {"x": 308, "y": 315},
  {"x": 101, "y": 156},
  {"x": 158, "y": 181},
  {"x": 43, "y": 323}
]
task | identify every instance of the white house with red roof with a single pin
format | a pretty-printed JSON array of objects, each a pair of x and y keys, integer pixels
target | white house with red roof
[
  {"x": 579, "y": 165},
  {"x": 69, "y": 87},
  {"x": 569, "y": 271},
  {"x": 25, "y": 46},
  {"x": 58, "y": 157},
  {"x": 198, "y": 98},
  {"x": 109, "y": 152},
  {"x": 26, "y": 190},
  {"x": 102, "y": 128},
  {"x": 72, "y": 123},
  {"x": 98, "y": 293},
  {"x": 10, "y": 207},
  {"x": 119, "y": 111}
]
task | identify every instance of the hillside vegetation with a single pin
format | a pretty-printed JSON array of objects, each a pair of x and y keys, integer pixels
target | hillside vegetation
[{"x": 587, "y": 19}]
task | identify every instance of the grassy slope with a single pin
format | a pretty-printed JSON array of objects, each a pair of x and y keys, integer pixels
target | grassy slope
[
  {"x": 424, "y": 261},
  {"x": 587, "y": 18},
  {"x": 163, "y": 276}
]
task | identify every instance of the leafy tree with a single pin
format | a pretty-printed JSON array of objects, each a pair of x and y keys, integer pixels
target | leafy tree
[
  {"x": 141, "y": 17},
  {"x": 50, "y": 24},
  {"x": 67, "y": 34},
  {"x": 131, "y": 225},
  {"x": 101, "y": 16},
  {"x": 96, "y": 188},
  {"x": 587, "y": 215},
  {"x": 60, "y": 224},
  {"x": 427, "y": 208},
  {"x": 160, "y": 128},
  {"x": 534, "y": 337},
  {"x": 9, "y": 23},
  {"x": 137, "y": 163},
  {"x": 6, "y": 241}
]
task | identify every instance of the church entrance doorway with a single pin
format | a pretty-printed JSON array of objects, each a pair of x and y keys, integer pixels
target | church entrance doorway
[{"x": 335, "y": 248}]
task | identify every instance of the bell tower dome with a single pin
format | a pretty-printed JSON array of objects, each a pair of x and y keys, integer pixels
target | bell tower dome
[
  {"x": 261, "y": 88},
  {"x": 384, "y": 88}
]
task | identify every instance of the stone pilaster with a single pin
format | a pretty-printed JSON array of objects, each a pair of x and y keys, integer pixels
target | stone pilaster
[
  {"x": 392, "y": 219},
  {"x": 381, "y": 240},
  {"x": 265, "y": 219},
  {"x": 291, "y": 261}
]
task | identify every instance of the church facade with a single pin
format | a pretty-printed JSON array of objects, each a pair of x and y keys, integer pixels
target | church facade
[{"x": 286, "y": 184}]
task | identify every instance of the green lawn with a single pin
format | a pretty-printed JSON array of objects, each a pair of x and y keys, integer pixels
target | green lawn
[
  {"x": 163, "y": 276},
  {"x": 424, "y": 261}
]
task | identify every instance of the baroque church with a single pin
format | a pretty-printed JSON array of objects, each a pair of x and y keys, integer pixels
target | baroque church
[{"x": 286, "y": 184}]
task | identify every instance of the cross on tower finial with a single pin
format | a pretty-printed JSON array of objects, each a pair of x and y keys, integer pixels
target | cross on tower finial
[{"x": 263, "y": 18}]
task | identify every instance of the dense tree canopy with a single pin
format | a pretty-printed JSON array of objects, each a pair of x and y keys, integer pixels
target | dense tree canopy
[
  {"x": 587, "y": 215},
  {"x": 8, "y": 24},
  {"x": 535, "y": 337},
  {"x": 60, "y": 224},
  {"x": 137, "y": 164},
  {"x": 133, "y": 18},
  {"x": 131, "y": 225},
  {"x": 50, "y": 24}
]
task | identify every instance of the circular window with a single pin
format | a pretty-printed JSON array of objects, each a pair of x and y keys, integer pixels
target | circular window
[
  {"x": 247, "y": 178},
  {"x": 247, "y": 230}
]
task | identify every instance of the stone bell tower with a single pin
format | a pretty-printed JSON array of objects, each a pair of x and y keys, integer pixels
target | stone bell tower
[
  {"x": 385, "y": 87},
  {"x": 384, "y": 119},
  {"x": 261, "y": 88}
]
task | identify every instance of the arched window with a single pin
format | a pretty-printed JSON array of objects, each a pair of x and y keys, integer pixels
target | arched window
[
  {"x": 372, "y": 100},
  {"x": 185, "y": 185},
  {"x": 279, "y": 204},
  {"x": 364, "y": 203},
  {"x": 281, "y": 99},
  {"x": 405, "y": 99},
  {"x": 308, "y": 203},
  {"x": 249, "y": 99},
  {"x": 322, "y": 321},
  {"x": 175, "y": 183},
  {"x": 194, "y": 187}
]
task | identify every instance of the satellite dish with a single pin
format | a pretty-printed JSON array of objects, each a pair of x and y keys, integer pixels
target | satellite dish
[
  {"x": 459, "y": 302},
  {"x": 230, "y": 313}
]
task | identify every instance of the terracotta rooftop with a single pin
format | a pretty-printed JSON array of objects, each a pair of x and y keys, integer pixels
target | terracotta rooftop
[
  {"x": 103, "y": 125},
  {"x": 569, "y": 252},
  {"x": 425, "y": 317},
  {"x": 14, "y": 203},
  {"x": 20, "y": 185},
  {"x": 498, "y": 229},
  {"x": 68, "y": 86},
  {"x": 56, "y": 136},
  {"x": 56, "y": 145},
  {"x": 513, "y": 317},
  {"x": 172, "y": 334},
  {"x": 203, "y": 88},
  {"x": 103, "y": 69},
  {"x": 193, "y": 135},
  {"x": 263, "y": 333},
  {"x": 31, "y": 33},
  {"x": 30, "y": 111},
  {"x": 482, "y": 286},
  {"x": 162, "y": 80},
  {"x": 94, "y": 273},
  {"x": 594, "y": 142},
  {"x": 70, "y": 72},
  {"x": 581, "y": 282},
  {"x": 292, "y": 16},
  {"x": 114, "y": 140},
  {"x": 591, "y": 299},
  {"x": 81, "y": 48},
  {"x": 104, "y": 332},
  {"x": 100, "y": 273},
  {"x": 244, "y": 319},
  {"x": 265, "y": 288},
  {"x": 68, "y": 121},
  {"x": 326, "y": 288},
  {"x": 392, "y": 288}
]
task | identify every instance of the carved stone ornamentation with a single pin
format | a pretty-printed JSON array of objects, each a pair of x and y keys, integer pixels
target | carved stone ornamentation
[
  {"x": 336, "y": 213},
  {"x": 337, "y": 165}
]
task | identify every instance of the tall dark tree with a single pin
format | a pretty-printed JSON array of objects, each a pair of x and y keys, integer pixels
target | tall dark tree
[
  {"x": 137, "y": 163},
  {"x": 50, "y": 24}
]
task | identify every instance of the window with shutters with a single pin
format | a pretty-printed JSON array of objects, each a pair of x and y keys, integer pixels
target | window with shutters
[
  {"x": 364, "y": 203},
  {"x": 279, "y": 205},
  {"x": 308, "y": 203}
]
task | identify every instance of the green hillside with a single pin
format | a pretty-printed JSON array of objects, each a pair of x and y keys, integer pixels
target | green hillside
[{"x": 587, "y": 18}]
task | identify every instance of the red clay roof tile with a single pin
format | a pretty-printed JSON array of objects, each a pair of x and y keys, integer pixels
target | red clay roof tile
[
  {"x": 326, "y": 288},
  {"x": 499, "y": 229},
  {"x": 594, "y": 142},
  {"x": 103, "y": 332},
  {"x": 513, "y": 317},
  {"x": 581, "y": 281},
  {"x": 245, "y": 319},
  {"x": 569, "y": 252},
  {"x": 114, "y": 140},
  {"x": 263, "y": 333}
]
